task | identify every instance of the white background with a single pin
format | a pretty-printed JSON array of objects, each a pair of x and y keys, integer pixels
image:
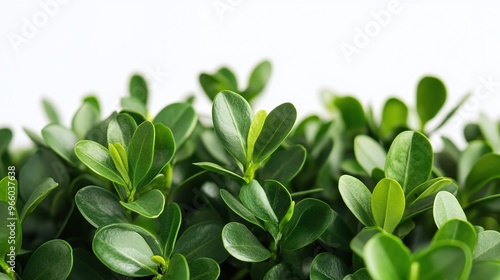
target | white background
[{"x": 86, "y": 47}]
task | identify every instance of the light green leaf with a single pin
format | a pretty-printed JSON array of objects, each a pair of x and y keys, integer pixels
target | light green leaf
[
  {"x": 62, "y": 141},
  {"x": 87, "y": 117},
  {"x": 204, "y": 269},
  {"x": 488, "y": 246},
  {"x": 489, "y": 129},
  {"x": 277, "y": 126},
  {"x": 180, "y": 118},
  {"x": 457, "y": 231},
  {"x": 178, "y": 268},
  {"x": 99, "y": 206},
  {"x": 202, "y": 240},
  {"x": 388, "y": 204},
  {"x": 386, "y": 257},
  {"x": 138, "y": 88},
  {"x": 423, "y": 196},
  {"x": 359, "y": 241},
  {"x": 97, "y": 158},
  {"x": 431, "y": 95},
  {"x": 357, "y": 198},
  {"x": 486, "y": 169},
  {"x": 394, "y": 116},
  {"x": 255, "y": 130},
  {"x": 351, "y": 112},
  {"x": 232, "y": 117},
  {"x": 240, "y": 242},
  {"x": 149, "y": 204},
  {"x": 360, "y": 274},
  {"x": 485, "y": 270},
  {"x": 409, "y": 160},
  {"x": 229, "y": 75},
  {"x": 369, "y": 153},
  {"x": 446, "y": 207},
  {"x": 134, "y": 105},
  {"x": 141, "y": 152},
  {"x": 52, "y": 260},
  {"x": 36, "y": 197},
  {"x": 444, "y": 261},
  {"x": 327, "y": 266}
]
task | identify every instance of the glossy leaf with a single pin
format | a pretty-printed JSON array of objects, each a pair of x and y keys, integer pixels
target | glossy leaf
[
  {"x": 431, "y": 96},
  {"x": 386, "y": 257},
  {"x": 279, "y": 271},
  {"x": 52, "y": 260},
  {"x": 170, "y": 221},
  {"x": 62, "y": 141},
  {"x": 149, "y": 204},
  {"x": 121, "y": 129},
  {"x": 457, "y": 230},
  {"x": 488, "y": 246},
  {"x": 444, "y": 261},
  {"x": 388, "y": 204},
  {"x": 278, "y": 197},
  {"x": 254, "y": 198},
  {"x": 141, "y": 152},
  {"x": 255, "y": 130},
  {"x": 180, "y": 118},
  {"x": 178, "y": 268},
  {"x": 124, "y": 250},
  {"x": 409, "y": 160},
  {"x": 99, "y": 206},
  {"x": 369, "y": 153},
  {"x": 394, "y": 116},
  {"x": 446, "y": 207},
  {"x": 221, "y": 170},
  {"x": 138, "y": 88},
  {"x": 357, "y": 198},
  {"x": 327, "y": 266},
  {"x": 240, "y": 242},
  {"x": 284, "y": 164},
  {"x": 36, "y": 197},
  {"x": 204, "y": 269},
  {"x": 278, "y": 125},
  {"x": 202, "y": 240},
  {"x": 85, "y": 119},
  {"x": 486, "y": 169},
  {"x": 97, "y": 158},
  {"x": 235, "y": 205},
  {"x": 232, "y": 117},
  {"x": 310, "y": 219}
]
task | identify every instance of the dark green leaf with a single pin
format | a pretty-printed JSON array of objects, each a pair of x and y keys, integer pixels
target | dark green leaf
[
  {"x": 351, "y": 111},
  {"x": 149, "y": 204},
  {"x": 204, "y": 269},
  {"x": 5, "y": 138},
  {"x": 284, "y": 164},
  {"x": 232, "y": 116},
  {"x": 254, "y": 198},
  {"x": 279, "y": 271},
  {"x": 121, "y": 129},
  {"x": 180, "y": 118},
  {"x": 278, "y": 197},
  {"x": 386, "y": 257},
  {"x": 469, "y": 156},
  {"x": 62, "y": 141},
  {"x": 446, "y": 207},
  {"x": 234, "y": 204},
  {"x": 97, "y": 158},
  {"x": 310, "y": 219},
  {"x": 258, "y": 80},
  {"x": 488, "y": 246},
  {"x": 361, "y": 274},
  {"x": 457, "y": 230},
  {"x": 87, "y": 266},
  {"x": 452, "y": 112},
  {"x": 240, "y": 242},
  {"x": 178, "y": 268},
  {"x": 99, "y": 206},
  {"x": 213, "y": 84},
  {"x": 357, "y": 198},
  {"x": 36, "y": 197},
  {"x": 141, "y": 152},
  {"x": 221, "y": 170},
  {"x": 431, "y": 95},
  {"x": 202, "y": 240},
  {"x": 327, "y": 266},
  {"x": 369, "y": 153},
  {"x": 444, "y": 261},
  {"x": 52, "y": 260},
  {"x": 170, "y": 222},
  {"x": 229, "y": 75},
  {"x": 409, "y": 160},
  {"x": 394, "y": 116},
  {"x": 138, "y": 88},
  {"x": 388, "y": 204}
]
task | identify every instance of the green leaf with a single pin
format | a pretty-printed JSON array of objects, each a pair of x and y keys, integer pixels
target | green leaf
[
  {"x": 62, "y": 141},
  {"x": 204, "y": 269},
  {"x": 446, "y": 207},
  {"x": 444, "y": 261},
  {"x": 310, "y": 219},
  {"x": 85, "y": 119},
  {"x": 120, "y": 159},
  {"x": 213, "y": 84},
  {"x": 489, "y": 129},
  {"x": 229, "y": 75},
  {"x": 141, "y": 152},
  {"x": 431, "y": 95},
  {"x": 50, "y": 111},
  {"x": 278, "y": 125},
  {"x": 486, "y": 169},
  {"x": 178, "y": 268},
  {"x": 469, "y": 157},
  {"x": 149, "y": 204},
  {"x": 488, "y": 246},
  {"x": 409, "y": 160},
  {"x": 351, "y": 111},
  {"x": 180, "y": 118},
  {"x": 388, "y": 204},
  {"x": 232, "y": 117},
  {"x": 240, "y": 242},
  {"x": 394, "y": 116},
  {"x": 369, "y": 153},
  {"x": 52, "y": 260},
  {"x": 221, "y": 170},
  {"x": 96, "y": 157},
  {"x": 284, "y": 164},
  {"x": 452, "y": 111},
  {"x": 279, "y": 271},
  {"x": 253, "y": 196},
  {"x": 255, "y": 130},
  {"x": 138, "y": 88},
  {"x": 386, "y": 257},
  {"x": 87, "y": 266},
  {"x": 357, "y": 198},
  {"x": 36, "y": 197},
  {"x": 422, "y": 197},
  {"x": 121, "y": 129},
  {"x": 5, "y": 138},
  {"x": 327, "y": 266},
  {"x": 134, "y": 105},
  {"x": 170, "y": 222},
  {"x": 202, "y": 240},
  {"x": 278, "y": 196},
  {"x": 360, "y": 274},
  {"x": 457, "y": 230},
  {"x": 359, "y": 241},
  {"x": 258, "y": 80},
  {"x": 234, "y": 204},
  {"x": 124, "y": 249},
  {"x": 99, "y": 206},
  {"x": 485, "y": 270}
]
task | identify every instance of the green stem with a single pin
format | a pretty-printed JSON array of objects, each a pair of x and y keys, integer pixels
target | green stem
[
  {"x": 295, "y": 194},
  {"x": 7, "y": 270}
]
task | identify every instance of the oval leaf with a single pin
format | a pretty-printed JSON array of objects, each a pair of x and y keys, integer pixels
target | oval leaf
[
  {"x": 170, "y": 222},
  {"x": 121, "y": 130},
  {"x": 394, "y": 116},
  {"x": 234, "y": 204},
  {"x": 446, "y": 207},
  {"x": 138, "y": 88},
  {"x": 62, "y": 141},
  {"x": 386, "y": 257},
  {"x": 97, "y": 158},
  {"x": 99, "y": 206},
  {"x": 202, "y": 240},
  {"x": 141, "y": 152},
  {"x": 240, "y": 242},
  {"x": 204, "y": 269},
  {"x": 327, "y": 266},
  {"x": 488, "y": 246},
  {"x": 52, "y": 260},
  {"x": 284, "y": 164},
  {"x": 357, "y": 198},
  {"x": 180, "y": 118},
  {"x": 178, "y": 268},
  {"x": 457, "y": 230},
  {"x": 149, "y": 204},
  {"x": 388, "y": 204},
  {"x": 444, "y": 261},
  {"x": 36, "y": 197},
  {"x": 369, "y": 153},
  {"x": 431, "y": 95}
]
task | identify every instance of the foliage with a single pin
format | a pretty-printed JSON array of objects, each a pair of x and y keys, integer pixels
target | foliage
[{"x": 253, "y": 195}]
